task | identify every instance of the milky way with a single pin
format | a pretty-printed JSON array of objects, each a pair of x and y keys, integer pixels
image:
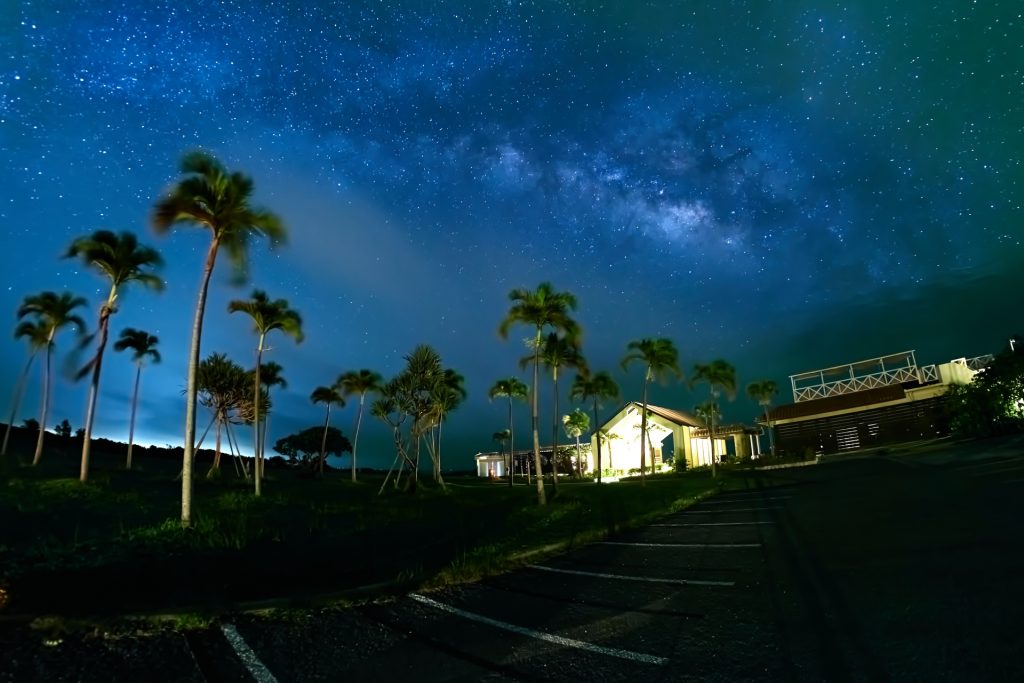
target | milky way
[{"x": 785, "y": 185}]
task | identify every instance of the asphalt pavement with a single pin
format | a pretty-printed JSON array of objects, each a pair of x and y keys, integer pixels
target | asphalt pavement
[{"x": 859, "y": 569}]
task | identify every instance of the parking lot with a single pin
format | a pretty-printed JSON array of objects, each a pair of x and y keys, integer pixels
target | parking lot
[{"x": 875, "y": 568}]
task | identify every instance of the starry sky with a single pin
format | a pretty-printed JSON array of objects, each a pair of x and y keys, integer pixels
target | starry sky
[{"x": 785, "y": 185}]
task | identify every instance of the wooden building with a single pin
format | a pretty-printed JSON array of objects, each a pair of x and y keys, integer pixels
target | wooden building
[{"x": 870, "y": 403}]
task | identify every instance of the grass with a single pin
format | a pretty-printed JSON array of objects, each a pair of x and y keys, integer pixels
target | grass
[{"x": 114, "y": 546}]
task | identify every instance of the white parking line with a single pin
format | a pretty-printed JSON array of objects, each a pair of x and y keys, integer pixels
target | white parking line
[
  {"x": 260, "y": 672},
  {"x": 723, "y": 501},
  {"x": 683, "y": 545},
  {"x": 743, "y": 493},
  {"x": 623, "y": 577},
  {"x": 716, "y": 524},
  {"x": 719, "y": 512},
  {"x": 541, "y": 635}
]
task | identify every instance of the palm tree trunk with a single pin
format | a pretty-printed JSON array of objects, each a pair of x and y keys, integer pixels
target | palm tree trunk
[
  {"x": 131, "y": 421},
  {"x": 438, "y": 477},
  {"x": 47, "y": 380},
  {"x": 511, "y": 446},
  {"x": 215, "y": 467},
  {"x": 257, "y": 463},
  {"x": 359, "y": 422},
  {"x": 94, "y": 388},
  {"x": 579, "y": 458},
  {"x": 323, "y": 441},
  {"x": 19, "y": 391},
  {"x": 711, "y": 433},
  {"x": 554, "y": 433},
  {"x": 597, "y": 431},
  {"x": 643, "y": 432},
  {"x": 191, "y": 386},
  {"x": 771, "y": 435},
  {"x": 266, "y": 428},
  {"x": 541, "y": 497}
]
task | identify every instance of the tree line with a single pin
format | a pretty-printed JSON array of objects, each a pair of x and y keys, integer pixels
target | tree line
[
  {"x": 414, "y": 404},
  {"x": 556, "y": 344}
]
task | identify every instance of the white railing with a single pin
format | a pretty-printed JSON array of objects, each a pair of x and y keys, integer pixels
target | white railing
[
  {"x": 928, "y": 373},
  {"x": 980, "y": 362},
  {"x": 854, "y": 384}
]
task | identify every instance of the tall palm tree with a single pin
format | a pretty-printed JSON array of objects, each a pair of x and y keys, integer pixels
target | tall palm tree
[
  {"x": 763, "y": 392},
  {"x": 540, "y": 309},
  {"x": 51, "y": 312},
  {"x": 575, "y": 424},
  {"x": 360, "y": 382},
  {"x": 271, "y": 375},
  {"x": 510, "y": 388},
  {"x": 143, "y": 345},
  {"x": 209, "y": 197},
  {"x": 329, "y": 396},
  {"x": 720, "y": 378},
  {"x": 558, "y": 351},
  {"x": 36, "y": 333},
  {"x": 120, "y": 259},
  {"x": 267, "y": 316},
  {"x": 594, "y": 388},
  {"x": 660, "y": 359}
]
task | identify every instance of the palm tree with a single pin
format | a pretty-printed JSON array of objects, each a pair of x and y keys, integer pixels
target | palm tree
[
  {"x": 52, "y": 312},
  {"x": 706, "y": 412},
  {"x": 121, "y": 259},
  {"x": 223, "y": 387},
  {"x": 595, "y": 388},
  {"x": 142, "y": 344},
  {"x": 763, "y": 392},
  {"x": 502, "y": 438},
  {"x": 271, "y": 375},
  {"x": 576, "y": 423},
  {"x": 540, "y": 308},
  {"x": 446, "y": 394},
  {"x": 720, "y": 377},
  {"x": 36, "y": 333},
  {"x": 267, "y": 316},
  {"x": 604, "y": 436},
  {"x": 211, "y": 198},
  {"x": 510, "y": 387},
  {"x": 558, "y": 352},
  {"x": 329, "y": 396},
  {"x": 360, "y": 382},
  {"x": 660, "y": 358}
]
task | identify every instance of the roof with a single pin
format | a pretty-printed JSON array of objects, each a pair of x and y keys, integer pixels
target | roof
[
  {"x": 892, "y": 392},
  {"x": 674, "y": 416}
]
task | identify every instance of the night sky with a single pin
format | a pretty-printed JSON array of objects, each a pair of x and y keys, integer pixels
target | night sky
[{"x": 785, "y": 185}]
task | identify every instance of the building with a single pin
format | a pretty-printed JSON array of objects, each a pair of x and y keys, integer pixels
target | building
[
  {"x": 874, "y": 402},
  {"x": 679, "y": 434},
  {"x": 495, "y": 464}
]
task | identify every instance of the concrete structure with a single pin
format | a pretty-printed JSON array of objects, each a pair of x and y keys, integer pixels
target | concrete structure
[{"x": 878, "y": 401}]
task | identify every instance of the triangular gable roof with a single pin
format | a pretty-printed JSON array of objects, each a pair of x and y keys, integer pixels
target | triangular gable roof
[{"x": 676, "y": 417}]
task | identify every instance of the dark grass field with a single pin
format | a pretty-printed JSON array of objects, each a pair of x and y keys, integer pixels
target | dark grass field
[{"x": 114, "y": 545}]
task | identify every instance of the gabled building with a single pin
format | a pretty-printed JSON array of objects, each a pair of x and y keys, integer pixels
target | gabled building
[
  {"x": 620, "y": 443},
  {"x": 874, "y": 402}
]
